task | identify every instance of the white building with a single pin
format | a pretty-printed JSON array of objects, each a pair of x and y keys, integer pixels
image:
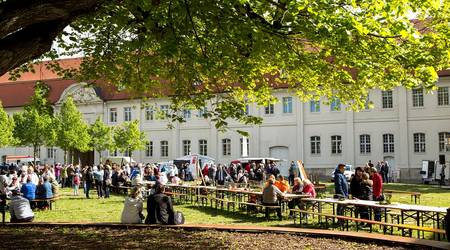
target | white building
[{"x": 404, "y": 128}]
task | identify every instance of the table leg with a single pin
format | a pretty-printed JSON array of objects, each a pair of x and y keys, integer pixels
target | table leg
[
  {"x": 403, "y": 221},
  {"x": 418, "y": 223}
]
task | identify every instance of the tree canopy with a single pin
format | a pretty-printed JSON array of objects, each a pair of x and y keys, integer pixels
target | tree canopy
[
  {"x": 194, "y": 49},
  {"x": 101, "y": 136},
  {"x": 72, "y": 130},
  {"x": 35, "y": 125},
  {"x": 128, "y": 137},
  {"x": 7, "y": 128}
]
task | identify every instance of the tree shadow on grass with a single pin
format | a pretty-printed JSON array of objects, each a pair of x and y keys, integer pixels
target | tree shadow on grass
[
  {"x": 91, "y": 238},
  {"x": 238, "y": 216}
]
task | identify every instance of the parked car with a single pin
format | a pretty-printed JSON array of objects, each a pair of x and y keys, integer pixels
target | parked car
[{"x": 349, "y": 171}]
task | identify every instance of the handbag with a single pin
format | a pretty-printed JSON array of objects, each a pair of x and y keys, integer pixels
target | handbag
[{"x": 178, "y": 218}]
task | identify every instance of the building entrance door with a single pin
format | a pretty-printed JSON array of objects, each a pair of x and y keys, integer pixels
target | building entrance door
[
  {"x": 394, "y": 174},
  {"x": 281, "y": 153}
]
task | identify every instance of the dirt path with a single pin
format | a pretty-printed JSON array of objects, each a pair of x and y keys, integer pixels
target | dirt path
[{"x": 90, "y": 238}]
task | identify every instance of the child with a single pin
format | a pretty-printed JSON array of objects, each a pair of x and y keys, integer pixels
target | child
[{"x": 76, "y": 182}]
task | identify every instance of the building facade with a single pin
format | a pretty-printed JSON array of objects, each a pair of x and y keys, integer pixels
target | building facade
[{"x": 405, "y": 127}]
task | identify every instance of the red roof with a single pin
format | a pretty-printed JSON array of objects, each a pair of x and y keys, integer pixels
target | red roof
[{"x": 18, "y": 93}]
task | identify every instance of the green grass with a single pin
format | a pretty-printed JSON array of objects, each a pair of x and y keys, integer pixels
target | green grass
[{"x": 71, "y": 208}]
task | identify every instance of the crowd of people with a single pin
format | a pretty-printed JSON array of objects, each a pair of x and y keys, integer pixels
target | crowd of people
[
  {"x": 365, "y": 184},
  {"x": 28, "y": 188}
]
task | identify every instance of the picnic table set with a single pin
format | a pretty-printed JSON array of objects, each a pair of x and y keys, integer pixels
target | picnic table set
[{"x": 406, "y": 216}]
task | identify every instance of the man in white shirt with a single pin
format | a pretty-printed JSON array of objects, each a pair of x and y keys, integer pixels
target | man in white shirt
[{"x": 20, "y": 209}]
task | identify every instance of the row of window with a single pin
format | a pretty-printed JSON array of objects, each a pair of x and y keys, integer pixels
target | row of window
[
  {"x": 387, "y": 100},
  {"x": 335, "y": 105},
  {"x": 202, "y": 147},
  {"x": 388, "y": 143},
  {"x": 442, "y": 97},
  {"x": 336, "y": 145}
]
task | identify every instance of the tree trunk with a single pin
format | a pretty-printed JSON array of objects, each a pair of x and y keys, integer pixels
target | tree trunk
[
  {"x": 65, "y": 156},
  {"x": 100, "y": 156},
  {"x": 34, "y": 155}
]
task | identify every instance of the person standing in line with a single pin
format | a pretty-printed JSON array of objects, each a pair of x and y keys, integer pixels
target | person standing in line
[
  {"x": 89, "y": 180},
  {"x": 57, "y": 170},
  {"x": 377, "y": 190},
  {"x": 293, "y": 172},
  {"x": 70, "y": 174},
  {"x": 64, "y": 176},
  {"x": 98, "y": 176},
  {"x": 107, "y": 181},
  {"x": 386, "y": 172},
  {"x": 340, "y": 187},
  {"x": 76, "y": 181}
]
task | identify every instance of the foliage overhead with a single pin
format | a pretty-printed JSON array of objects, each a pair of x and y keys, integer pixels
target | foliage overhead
[
  {"x": 193, "y": 49},
  {"x": 129, "y": 137},
  {"x": 72, "y": 129},
  {"x": 6, "y": 128},
  {"x": 35, "y": 126}
]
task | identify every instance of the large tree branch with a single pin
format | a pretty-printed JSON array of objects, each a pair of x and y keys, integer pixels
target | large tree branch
[
  {"x": 28, "y": 28},
  {"x": 15, "y": 15},
  {"x": 28, "y": 43}
]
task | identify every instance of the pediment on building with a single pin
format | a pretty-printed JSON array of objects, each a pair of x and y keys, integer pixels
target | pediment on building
[{"x": 81, "y": 93}]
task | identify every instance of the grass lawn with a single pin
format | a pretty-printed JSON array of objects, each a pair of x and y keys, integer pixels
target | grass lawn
[{"x": 71, "y": 208}]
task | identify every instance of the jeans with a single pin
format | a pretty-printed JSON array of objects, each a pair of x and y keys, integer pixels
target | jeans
[
  {"x": 377, "y": 211},
  {"x": 99, "y": 185},
  {"x": 106, "y": 189},
  {"x": 88, "y": 187}
]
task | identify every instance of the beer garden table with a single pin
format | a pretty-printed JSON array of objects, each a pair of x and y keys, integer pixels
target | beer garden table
[{"x": 419, "y": 213}]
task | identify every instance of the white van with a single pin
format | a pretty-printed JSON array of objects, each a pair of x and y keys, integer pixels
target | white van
[{"x": 20, "y": 159}]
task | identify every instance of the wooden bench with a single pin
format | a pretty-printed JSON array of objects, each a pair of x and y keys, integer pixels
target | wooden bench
[
  {"x": 250, "y": 204},
  {"x": 410, "y": 227},
  {"x": 178, "y": 196},
  {"x": 225, "y": 201},
  {"x": 49, "y": 201},
  {"x": 270, "y": 209},
  {"x": 415, "y": 195}
]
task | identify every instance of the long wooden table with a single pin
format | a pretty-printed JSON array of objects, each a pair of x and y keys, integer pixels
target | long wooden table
[{"x": 419, "y": 213}]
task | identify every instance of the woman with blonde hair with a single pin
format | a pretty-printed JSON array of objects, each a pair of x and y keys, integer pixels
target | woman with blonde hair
[
  {"x": 132, "y": 210},
  {"x": 308, "y": 188},
  {"x": 296, "y": 189}
]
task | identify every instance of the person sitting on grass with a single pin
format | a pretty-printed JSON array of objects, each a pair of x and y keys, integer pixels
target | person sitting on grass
[
  {"x": 160, "y": 209},
  {"x": 270, "y": 197},
  {"x": 132, "y": 210},
  {"x": 19, "y": 208}
]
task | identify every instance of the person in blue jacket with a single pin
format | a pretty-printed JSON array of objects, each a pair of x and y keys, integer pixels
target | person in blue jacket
[
  {"x": 340, "y": 182},
  {"x": 29, "y": 189},
  {"x": 44, "y": 191},
  {"x": 340, "y": 187}
]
